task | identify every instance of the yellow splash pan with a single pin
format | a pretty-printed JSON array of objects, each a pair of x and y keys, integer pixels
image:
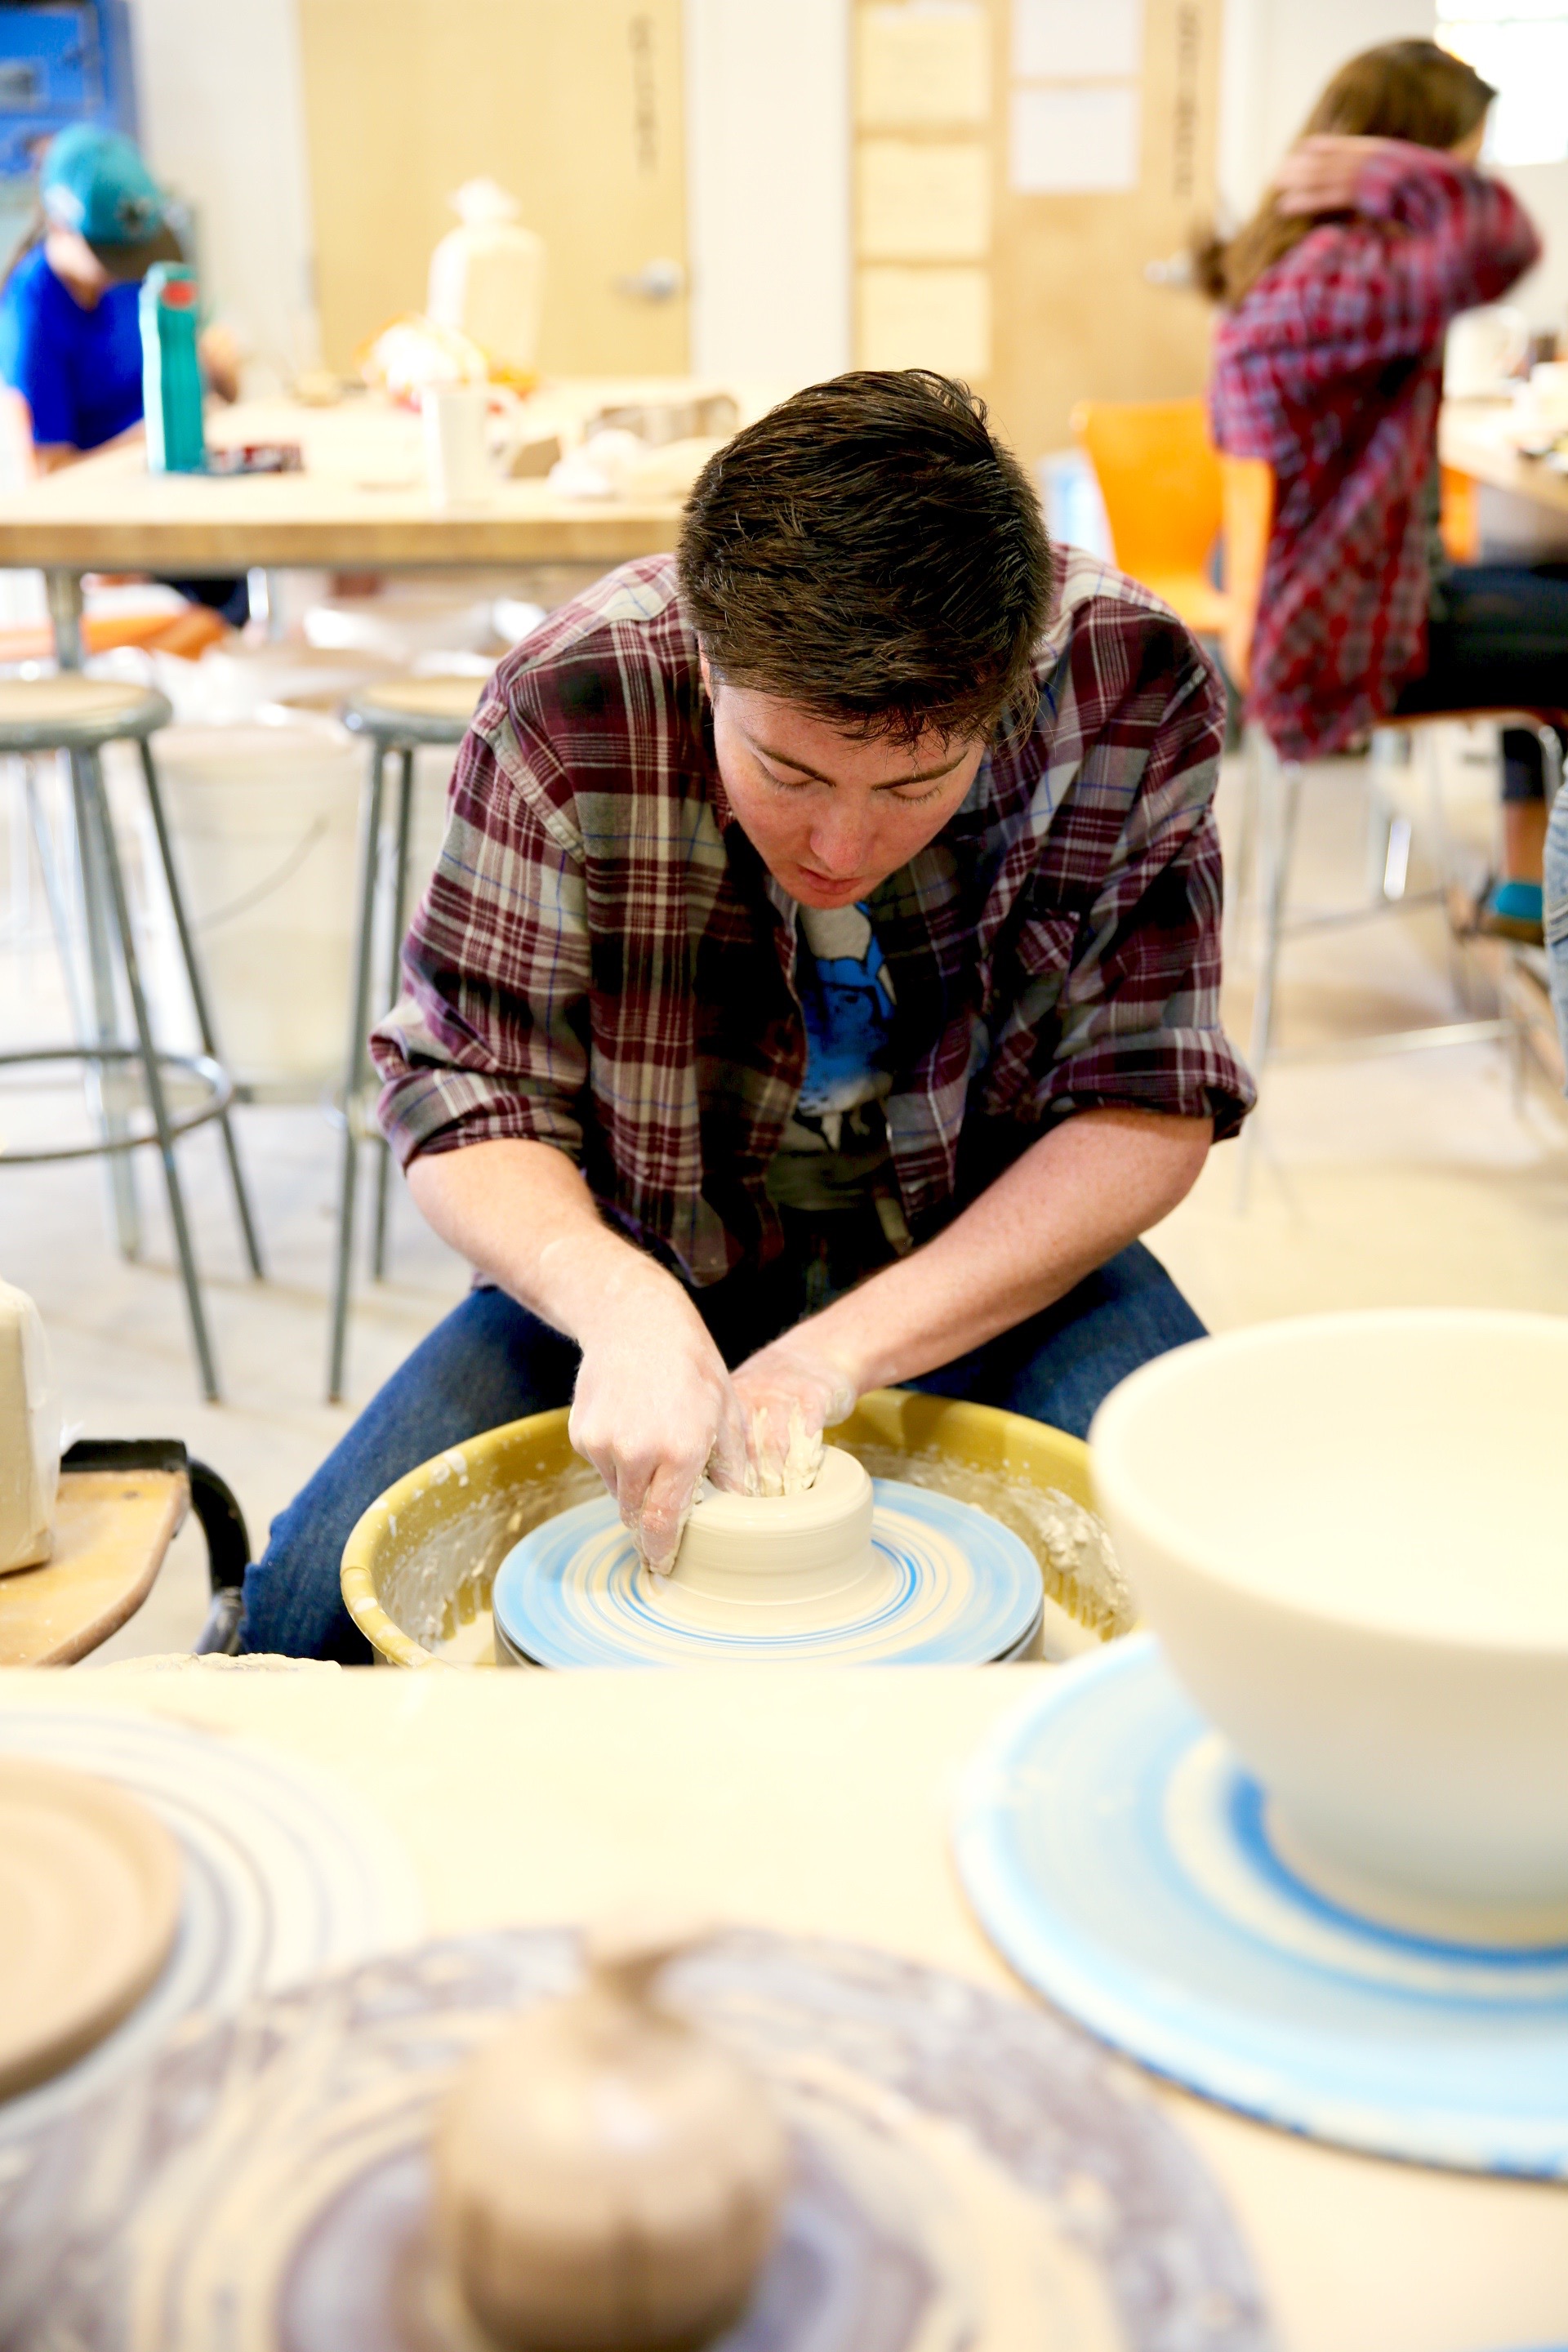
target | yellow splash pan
[{"x": 419, "y": 1568}]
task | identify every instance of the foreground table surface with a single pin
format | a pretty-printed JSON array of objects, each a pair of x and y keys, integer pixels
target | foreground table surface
[
  {"x": 361, "y": 498},
  {"x": 112, "y": 1528},
  {"x": 816, "y": 1803}
]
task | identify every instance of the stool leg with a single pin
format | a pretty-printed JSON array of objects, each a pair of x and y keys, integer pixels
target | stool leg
[
  {"x": 199, "y": 999},
  {"x": 55, "y": 899},
  {"x": 108, "y": 1110},
  {"x": 1280, "y": 793},
  {"x": 394, "y": 986},
  {"x": 1239, "y": 874},
  {"x": 96, "y": 801},
  {"x": 353, "y": 1068}
]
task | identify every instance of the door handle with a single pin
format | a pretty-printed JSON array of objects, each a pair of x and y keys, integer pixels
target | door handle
[{"x": 659, "y": 280}]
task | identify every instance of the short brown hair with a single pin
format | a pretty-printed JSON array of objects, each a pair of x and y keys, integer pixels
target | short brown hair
[
  {"x": 1405, "y": 89},
  {"x": 870, "y": 551}
]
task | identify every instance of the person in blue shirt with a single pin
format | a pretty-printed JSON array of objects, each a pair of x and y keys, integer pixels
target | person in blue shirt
[{"x": 70, "y": 339}]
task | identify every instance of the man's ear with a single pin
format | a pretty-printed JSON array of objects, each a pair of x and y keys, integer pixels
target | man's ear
[{"x": 707, "y": 673}]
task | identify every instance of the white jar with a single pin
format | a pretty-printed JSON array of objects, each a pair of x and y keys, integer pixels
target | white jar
[{"x": 487, "y": 278}]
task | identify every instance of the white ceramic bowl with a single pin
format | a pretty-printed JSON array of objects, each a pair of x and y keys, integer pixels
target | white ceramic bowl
[{"x": 1351, "y": 1534}]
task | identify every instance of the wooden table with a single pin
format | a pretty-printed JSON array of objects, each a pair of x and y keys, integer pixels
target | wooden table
[
  {"x": 815, "y": 1802},
  {"x": 361, "y": 502},
  {"x": 1477, "y": 438},
  {"x": 112, "y": 1528}
]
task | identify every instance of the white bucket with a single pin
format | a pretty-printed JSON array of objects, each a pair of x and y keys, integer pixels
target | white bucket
[{"x": 264, "y": 821}]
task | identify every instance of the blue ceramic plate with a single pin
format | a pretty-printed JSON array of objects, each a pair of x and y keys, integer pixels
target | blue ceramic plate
[
  {"x": 1122, "y": 1861},
  {"x": 956, "y": 1590}
]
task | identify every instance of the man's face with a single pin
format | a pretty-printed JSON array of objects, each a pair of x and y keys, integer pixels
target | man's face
[{"x": 831, "y": 815}]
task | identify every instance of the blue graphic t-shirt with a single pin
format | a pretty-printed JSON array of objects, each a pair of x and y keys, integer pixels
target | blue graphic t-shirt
[
  {"x": 78, "y": 370},
  {"x": 835, "y": 1145}
]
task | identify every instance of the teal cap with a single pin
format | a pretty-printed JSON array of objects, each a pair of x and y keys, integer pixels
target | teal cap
[{"x": 96, "y": 182}]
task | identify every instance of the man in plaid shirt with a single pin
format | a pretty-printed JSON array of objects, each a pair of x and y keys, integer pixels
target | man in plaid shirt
[{"x": 817, "y": 988}]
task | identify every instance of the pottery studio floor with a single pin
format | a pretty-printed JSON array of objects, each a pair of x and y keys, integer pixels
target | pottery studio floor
[{"x": 1425, "y": 1179}]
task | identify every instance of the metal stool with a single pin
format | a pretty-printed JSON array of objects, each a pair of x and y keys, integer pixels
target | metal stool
[
  {"x": 1274, "y": 793},
  {"x": 398, "y": 719},
  {"x": 79, "y": 716}
]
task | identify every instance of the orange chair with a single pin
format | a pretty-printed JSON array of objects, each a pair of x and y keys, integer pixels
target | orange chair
[
  {"x": 1246, "y": 510},
  {"x": 1459, "y": 515},
  {"x": 1159, "y": 476}
]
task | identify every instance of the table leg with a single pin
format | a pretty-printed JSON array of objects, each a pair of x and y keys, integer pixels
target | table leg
[
  {"x": 63, "y": 590},
  {"x": 266, "y": 603}
]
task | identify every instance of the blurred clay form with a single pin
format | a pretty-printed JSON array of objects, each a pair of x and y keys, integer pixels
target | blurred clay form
[{"x": 608, "y": 2180}]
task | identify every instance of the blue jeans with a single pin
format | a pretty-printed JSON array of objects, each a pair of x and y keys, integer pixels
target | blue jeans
[
  {"x": 1502, "y": 642},
  {"x": 1555, "y": 911},
  {"x": 491, "y": 1361}
]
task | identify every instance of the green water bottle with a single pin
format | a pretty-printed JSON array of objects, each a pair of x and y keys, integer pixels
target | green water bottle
[{"x": 171, "y": 371}]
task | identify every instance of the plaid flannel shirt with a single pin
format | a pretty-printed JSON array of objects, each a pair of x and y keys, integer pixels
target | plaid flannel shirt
[
  {"x": 1331, "y": 368},
  {"x": 602, "y": 963}
]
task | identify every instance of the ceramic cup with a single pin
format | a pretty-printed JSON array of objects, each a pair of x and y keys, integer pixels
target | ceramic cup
[
  {"x": 457, "y": 444},
  {"x": 1351, "y": 1534}
]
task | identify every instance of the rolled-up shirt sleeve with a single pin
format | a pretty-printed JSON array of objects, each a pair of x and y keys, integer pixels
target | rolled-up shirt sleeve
[
  {"x": 489, "y": 1038},
  {"x": 1123, "y": 1005}
]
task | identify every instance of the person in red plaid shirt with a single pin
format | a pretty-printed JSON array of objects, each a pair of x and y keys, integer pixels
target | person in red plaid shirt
[
  {"x": 817, "y": 988},
  {"x": 1328, "y": 363}
]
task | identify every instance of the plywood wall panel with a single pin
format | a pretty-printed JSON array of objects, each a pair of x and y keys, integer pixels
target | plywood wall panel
[{"x": 1073, "y": 315}]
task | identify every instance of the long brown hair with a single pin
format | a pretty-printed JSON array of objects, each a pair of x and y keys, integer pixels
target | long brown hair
[{"x": 1405, "y": 90}]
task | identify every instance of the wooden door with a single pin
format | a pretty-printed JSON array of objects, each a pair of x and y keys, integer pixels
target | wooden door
[
  {"x": 575, "y": 105},
  {"x": 1036, "y": 293}
]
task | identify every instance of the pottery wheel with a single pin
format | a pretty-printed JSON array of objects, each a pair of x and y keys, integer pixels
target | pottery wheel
[
  {"x": 924, "y": 1580},
  {"x": 281, "y": 1875},
  {"x": 1124, "y": 1863},
  {"x": 970, "y": 2174},
  {"x": 90, "y": 1898}
]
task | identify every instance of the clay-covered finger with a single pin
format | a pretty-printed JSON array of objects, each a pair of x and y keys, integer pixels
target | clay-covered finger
[
  {"x": 729, "y": 1462},
  {"x": 667, "y": 1507},
  {"x": 584, "y": 1438}
]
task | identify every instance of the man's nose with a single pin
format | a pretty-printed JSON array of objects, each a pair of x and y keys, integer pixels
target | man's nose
[{"x": 840, "y": 839}]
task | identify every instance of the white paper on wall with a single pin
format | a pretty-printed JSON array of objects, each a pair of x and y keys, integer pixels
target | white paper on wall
[
  {"x": 938, "y": 317},
  {"x": 921, "y": 61},
  {"x": 917, "y": 201},
  {"x": 1079, "y": 139},
  {"x": 1068, "y": 40}
]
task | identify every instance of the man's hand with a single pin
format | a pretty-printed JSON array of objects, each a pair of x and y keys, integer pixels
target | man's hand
[
  {"x": 790, "y": 1392},
  {"x": 1074, "y": 1198},
  {"x": 653, "y": 1408},
  {"x": 654, "y": 1405},
  {"x": 219, "y": 355},
  {"x": 1323, "y": 174}
]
